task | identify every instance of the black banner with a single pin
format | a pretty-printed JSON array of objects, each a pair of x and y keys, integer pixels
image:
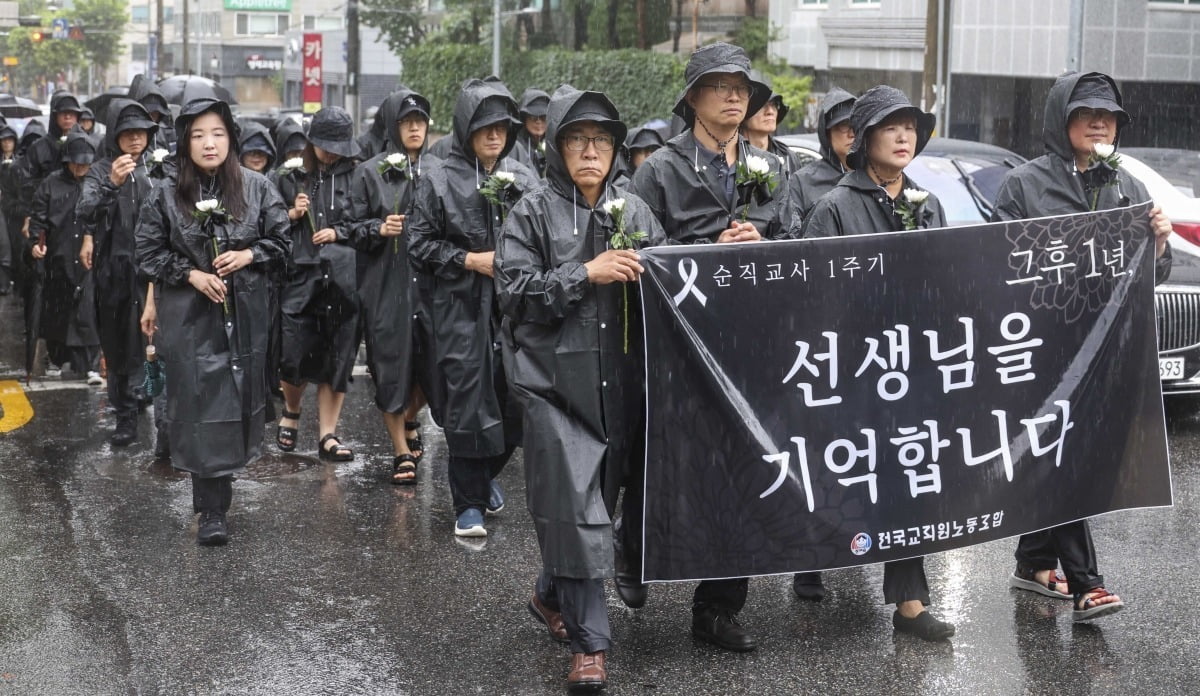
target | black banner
[{"x": 836, "y": 402}]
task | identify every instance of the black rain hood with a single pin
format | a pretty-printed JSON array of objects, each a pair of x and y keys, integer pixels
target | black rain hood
[
  {"x": 399, "y": 104},
  {"x": 195, "y": 108},
  {"x": 127, "y": 114},
  {"x": 643, "y": 138},
  {"x": 570, "y": 105},
  {"x": 719, "y": 57},
  {"x": 255, "y": 138},
  {"x": 146, "y": 93},
  {"x": 34, "y": 131},
  {"x": 6, "y": 131},
  {"x": 60, "y": 102},
  {"x": 286, "y": 131},
  {"x": 872, "y": 108},
  {"x": 80, "y": 147},
  {"x": 1074, "y": 91},
  {"x": 482, "y": 103},
  {"x": 534, "y": 102},
  {"x": 835, "y": 108}
]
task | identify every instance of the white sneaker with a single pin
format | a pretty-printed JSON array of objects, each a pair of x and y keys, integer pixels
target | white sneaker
[{"x": 94, "y": 379}]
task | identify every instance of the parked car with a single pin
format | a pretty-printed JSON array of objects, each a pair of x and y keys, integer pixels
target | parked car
[{"x": 1180, "y": 167}]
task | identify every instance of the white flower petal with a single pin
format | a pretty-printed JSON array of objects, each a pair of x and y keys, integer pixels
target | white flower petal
[
  {"x": 915, "y": 196},
  {"x": 757, "y": 165},
  {"x": 1104, "y": 150},
  {"x": 294, "y": 163}
]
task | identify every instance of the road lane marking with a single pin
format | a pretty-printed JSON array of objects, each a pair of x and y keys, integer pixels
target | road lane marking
[{"x": 17, "y": 409}]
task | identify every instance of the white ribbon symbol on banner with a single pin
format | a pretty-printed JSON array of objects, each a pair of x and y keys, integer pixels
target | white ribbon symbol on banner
[{"x": 688, "y": 270}]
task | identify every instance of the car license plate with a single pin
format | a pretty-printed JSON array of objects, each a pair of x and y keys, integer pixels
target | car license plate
[{"x": 1170, "y": 368}]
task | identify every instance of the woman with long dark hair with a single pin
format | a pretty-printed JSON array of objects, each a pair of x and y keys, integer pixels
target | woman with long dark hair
[{"x": 208, "y": 240}]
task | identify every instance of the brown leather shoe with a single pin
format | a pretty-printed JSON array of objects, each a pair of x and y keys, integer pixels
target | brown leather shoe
[
  {"x": 552, "y": 619},
  {"x": 587, "y": 673}
]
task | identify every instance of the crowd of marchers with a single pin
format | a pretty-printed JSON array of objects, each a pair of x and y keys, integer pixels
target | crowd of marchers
[{"x": 493, "y": 278}]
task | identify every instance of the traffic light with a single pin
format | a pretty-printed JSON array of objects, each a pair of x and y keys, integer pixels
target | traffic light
[{"x": 37, "y": 35}]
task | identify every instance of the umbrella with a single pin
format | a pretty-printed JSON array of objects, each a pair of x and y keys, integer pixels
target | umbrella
[
  {"x": 99, "y": 103},
  {"x": 181, "y": 89},
  {"x": 18, "y": 107}
]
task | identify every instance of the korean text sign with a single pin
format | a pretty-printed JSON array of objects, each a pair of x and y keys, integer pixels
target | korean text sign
[
  {"x": 312, "y": 80},
  {"x": 836, "y": 402}
]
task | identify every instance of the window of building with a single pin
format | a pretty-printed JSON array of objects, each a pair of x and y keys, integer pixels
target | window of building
[
  {"x": 138, "y": 52},
  {"x": 262, "y": 24},
  {"x": 324, "y": 22},
  {"x": 1194, "y": 3},
  {"x": 139, "y": 14},
  {"x": 814, "y": 2}
]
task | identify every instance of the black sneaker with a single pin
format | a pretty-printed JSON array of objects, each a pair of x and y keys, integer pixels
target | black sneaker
[
  {"x": 125, "y": 434},
  {"x": 923, "y": 626},
  {"x": 719, "y": 627},
  {"x": 808, "y": 586},
  {"x": 495, "y": 501},
  {"x": 213, "y": 531}
]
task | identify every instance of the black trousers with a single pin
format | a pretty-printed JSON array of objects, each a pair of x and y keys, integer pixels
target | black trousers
[
  {"x": 1071, "y": 544},
  {"x": 583, "y": 607},
  {"x": 212, "y": 494},
  {"x": 471, "y": 479},
  {"x": 905, "y": 580}
]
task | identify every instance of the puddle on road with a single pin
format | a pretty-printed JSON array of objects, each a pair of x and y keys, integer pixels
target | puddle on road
[{"x": 274, "y": 465}]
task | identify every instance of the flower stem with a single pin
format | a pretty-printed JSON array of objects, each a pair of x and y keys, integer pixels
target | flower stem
[
  {"x": 1095, "y": 199},
  {"x": 625, "y": 309}
]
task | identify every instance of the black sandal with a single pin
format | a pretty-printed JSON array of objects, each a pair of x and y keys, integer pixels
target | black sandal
[
  {"x": 286, "y": 437},
  {"x": 414, "y": 444},
  {"x": 404, "y": 464},
  {"x": 337, "y": 453}
]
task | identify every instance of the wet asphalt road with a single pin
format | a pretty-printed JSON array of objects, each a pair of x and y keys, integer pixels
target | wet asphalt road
[{"x": 337, "y": 583}]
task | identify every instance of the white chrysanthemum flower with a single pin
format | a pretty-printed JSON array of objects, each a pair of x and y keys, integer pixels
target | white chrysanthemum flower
[
  {"x": 1103, "y": 150},
  {"x": 397, "y": 159},
  {"x": 294, "y": 163},
  {"x": 757, "y": 165},
  {"x": 159, "y": 154},
  {"x": 207, "y": 206},
  {"x": 915, "y": 196},
  {"x": 505, "y": 177},
  {"x": 614, "y": 206}
]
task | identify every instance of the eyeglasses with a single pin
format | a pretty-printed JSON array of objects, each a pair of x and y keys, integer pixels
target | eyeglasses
[
  {"x": 725, "y": 90},
  {"x": 1086, "y": 114},
  {"x": 579, "y": 143}
]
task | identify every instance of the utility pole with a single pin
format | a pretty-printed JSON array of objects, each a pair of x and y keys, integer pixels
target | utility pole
[
  {"x": 184, "y": 36},
  {"x": 158, "y": 39},
  {"x": 353, "y": 59},
  {"x": 932, "y": 42}
]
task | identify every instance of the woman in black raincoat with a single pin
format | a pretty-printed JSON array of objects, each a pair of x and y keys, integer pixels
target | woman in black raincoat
[
  {"x": 691, "y": 188},
  {"x": 320, "y": 299},
  {"x": 145, "y": 92},
  {"x": 112, "y": 197},
  {"x": 68, "y": 301},
  {"x": 10, "y": 224},
  {"x": 290, "y": 143},
  {"x": 256, "y": 146},
  {"x": 210, "y": 270},
  {"x": 1082, "y": 110},
  {"x": 574, "y": 360},
  {"x": 381, "y": 195},
  {"x": 451, "y": 235},
  {"x": 818, "y": 178},
  {"x": 877, "y": 197}
]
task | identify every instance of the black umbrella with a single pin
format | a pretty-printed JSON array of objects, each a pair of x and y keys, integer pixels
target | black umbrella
[
  {"x": 18, "y": 107},
  {"x": 98, "y": 104},
  {"x": 181, "y": 89}
]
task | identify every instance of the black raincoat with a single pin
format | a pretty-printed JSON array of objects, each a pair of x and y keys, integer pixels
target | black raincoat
[
  {"x": 113, "y": 214},
  {"x": 68, "y": 299},
  {"x": 249, "y": 130},
  {"x": 528, "y": 152},
  {"x": 857, "y": 205},
  {"x": 319, "y": 297},
  {"x": 146, "y": 93},
  {"x": 217, "y": 361},
  {"x": 671, "y": 182},
  {"x": 387, "y": 285},
  {"x": 566, "y": 360},
  {"x": 1051, "y": 184},
  {"x": 44, "y": 156},
  {"x": 815, "y": 179},
  {"x": 450, "y": 218},
  {"x": 283, "y": 132}
]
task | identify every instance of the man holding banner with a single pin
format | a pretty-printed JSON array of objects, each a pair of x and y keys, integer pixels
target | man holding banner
[
  {"x": 1080, "y": 172},
  {"x": 698, "y": 189}
]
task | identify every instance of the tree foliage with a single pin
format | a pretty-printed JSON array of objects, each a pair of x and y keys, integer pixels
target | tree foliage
[
  {"x": 50, "y": 59},
  {"x": 398, "y": 21},
  {"x": 658, "y": 14},
  {"x": 103, "y": 22}
]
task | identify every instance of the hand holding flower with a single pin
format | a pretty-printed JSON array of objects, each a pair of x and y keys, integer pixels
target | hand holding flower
[
  {"x": 392, "y": 226},
  {"x": 739, "y": 232},
  {"x": 614, "y": 266},
  {"x": 324, "y": 236},
  {"x": 231, "y": 261},
  {"x": 208, "y": 284}
]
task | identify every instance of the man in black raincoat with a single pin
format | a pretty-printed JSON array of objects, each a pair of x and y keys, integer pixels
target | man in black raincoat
[
  {"x": 573, "y": 357},
  {"x": 690, "y": 185},
  {"x": 759, "y": 128},
  {"x": 44, "y": 156},
  {"x": 112, "y": 197},
  {"x": 817, "y": 178},
  {"x": 9, "y": 225},
  {"x": 68, "y": 303},
  {"x": 1082, "y": 110},
  {"x": 381, "y": 198},
  {"x": 531, "y": 139},
  {"x": 879, "y": 197},
  {"x": 256, "y": 147},
  {"x": 145, "y": 92},
  {"x": 87, "y": 121},
  {"x": 290, "y": 140},
  {"x": 452, "y": 236}
]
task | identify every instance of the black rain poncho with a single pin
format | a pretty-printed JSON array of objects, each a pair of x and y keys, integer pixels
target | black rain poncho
[
  {"x": 450, "y": 218},
  {"x": 1051, "y": 184},
  {"x": 216, "y": 400},
  {"x": 817, "y": 178},
  {"x": 527, "y": 152},
  {"x": 256, "y": 136},
  {"x": 387, "y": 284},
  {"x": 43, "y": 156},
  {"x": 566, "y": 359},
  {"x": 146, "y": 93},
  {"x": 113, "y": 212}
]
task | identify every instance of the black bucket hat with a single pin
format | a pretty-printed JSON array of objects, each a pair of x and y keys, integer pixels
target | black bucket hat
[
  {"x": 1093, "y": 91},
  {"x": 719, "y": 57},
  {"x": 80, "y": 148},
  {"x": 67, "y": 102},
  {"x": 332, "y": 130},
  {"x": 872, "y": 108},
  {"x": 134, "y": 117},
  {"x": 196, "y": 107},
  {"x": 597, "y": 107},
  {"x": 414, "y": 104},
  {"x": 534, "y": 102},
  {"x": 493, "y": 110}
]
